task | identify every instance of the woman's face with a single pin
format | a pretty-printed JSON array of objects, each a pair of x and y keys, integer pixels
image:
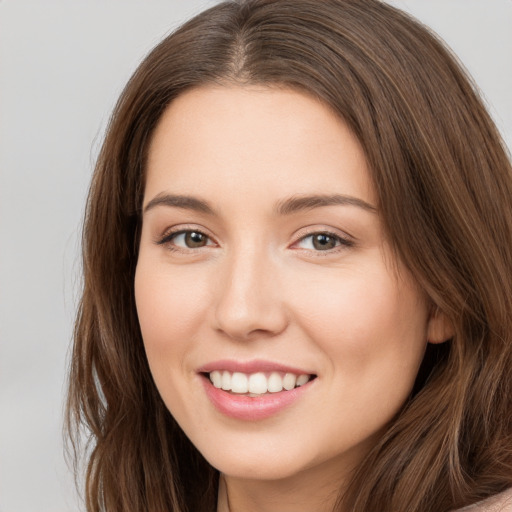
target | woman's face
[{"x": 263, "y": 265}]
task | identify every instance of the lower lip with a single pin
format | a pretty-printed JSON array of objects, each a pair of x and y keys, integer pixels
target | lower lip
[{"x": 248, "y": 408}]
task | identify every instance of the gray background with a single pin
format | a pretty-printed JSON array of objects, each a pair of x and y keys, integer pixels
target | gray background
[{"x": 62, "y": 65}]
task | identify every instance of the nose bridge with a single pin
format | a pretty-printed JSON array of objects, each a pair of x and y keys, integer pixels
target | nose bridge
[{"x": 248, "y": 300}]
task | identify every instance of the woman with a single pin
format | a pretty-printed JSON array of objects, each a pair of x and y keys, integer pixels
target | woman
[{"x": 297, "y": 260}]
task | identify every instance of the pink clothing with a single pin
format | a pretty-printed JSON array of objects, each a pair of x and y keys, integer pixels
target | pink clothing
[{"x": 500, "y": 503}]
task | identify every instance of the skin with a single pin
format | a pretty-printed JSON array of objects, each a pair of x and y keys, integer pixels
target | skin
[{"x": 260, "y": 289}]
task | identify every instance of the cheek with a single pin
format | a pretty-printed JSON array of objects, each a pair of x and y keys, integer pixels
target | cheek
[
  {"x": 369, "y": 323},
  {"x": 170, "y": 306},
  {"x": 373, "y": 332}
]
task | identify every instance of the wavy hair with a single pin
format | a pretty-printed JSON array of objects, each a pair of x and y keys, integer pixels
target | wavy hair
[{"x": 444, "y": 183}]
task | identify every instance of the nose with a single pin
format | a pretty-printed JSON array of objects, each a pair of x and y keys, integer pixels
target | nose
[{"x": 249, "y": 300}]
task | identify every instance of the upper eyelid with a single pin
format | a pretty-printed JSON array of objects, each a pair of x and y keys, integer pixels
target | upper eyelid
[
  {"x": 180, "y": 229},
  {"x": 314, "y": 230},
  {"x": 328, "y": 233}
]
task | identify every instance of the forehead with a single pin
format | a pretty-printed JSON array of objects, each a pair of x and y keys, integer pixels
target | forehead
[{"x": 246, "y": 138}]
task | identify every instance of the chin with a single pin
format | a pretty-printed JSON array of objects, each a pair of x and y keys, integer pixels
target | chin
[
  {"x": 258, "y": 470},
  {"x": 264, "y": 463}
]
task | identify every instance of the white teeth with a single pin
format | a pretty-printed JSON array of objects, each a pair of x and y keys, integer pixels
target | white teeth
[
  {"x": 226, "y": 381},
  {"x": 239, "y": 383},
  {"x": 289, "y": 381},
  {"x": 256, "y": 384},
  {"x": 216, "y": 378},
  {"x": 302, "y": 379},
  {"x": 275, "y": 383}
]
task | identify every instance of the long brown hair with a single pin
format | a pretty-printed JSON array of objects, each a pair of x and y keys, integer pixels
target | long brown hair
[{"x": 444, "y": 183}]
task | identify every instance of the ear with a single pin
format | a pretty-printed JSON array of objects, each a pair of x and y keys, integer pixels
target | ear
[{"x": 439, "y": 327}]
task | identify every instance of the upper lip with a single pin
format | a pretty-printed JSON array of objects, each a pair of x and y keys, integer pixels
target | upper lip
[{"x": 248, "y": 367}]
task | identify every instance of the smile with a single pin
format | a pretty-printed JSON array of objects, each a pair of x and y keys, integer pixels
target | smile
[
  {"x": 256, "y": 384},
  {"x": 254, "y": 390}
]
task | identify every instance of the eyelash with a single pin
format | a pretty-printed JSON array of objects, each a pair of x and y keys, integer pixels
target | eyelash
[
  {"x": 168, "y": 238},
  {"x": 341, "y": 242}
]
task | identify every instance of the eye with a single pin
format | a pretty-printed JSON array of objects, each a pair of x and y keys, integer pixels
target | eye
[
  {"x": 186, "y": 239},
  {"x": 322, "y": 242}
]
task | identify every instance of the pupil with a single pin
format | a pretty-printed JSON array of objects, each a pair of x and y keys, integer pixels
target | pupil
[
  {"x": 194, "y": 239},
  {"x": 323, "y": 242}
]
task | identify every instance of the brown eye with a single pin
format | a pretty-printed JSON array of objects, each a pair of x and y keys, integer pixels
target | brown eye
[
  {"x": 324, "y": 242},
  {"x": 186, "y": 239},
  {"x": 194, "y": 239}
]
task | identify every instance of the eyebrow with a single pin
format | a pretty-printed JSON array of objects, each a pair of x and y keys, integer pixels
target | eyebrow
[
  {"x": 301, "y": 203},
  {"x": 285, "y": 207},
  {"x": 179, "y": 201}
]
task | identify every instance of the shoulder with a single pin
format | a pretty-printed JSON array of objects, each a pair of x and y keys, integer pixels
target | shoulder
[{"x": 500, "y": 503}]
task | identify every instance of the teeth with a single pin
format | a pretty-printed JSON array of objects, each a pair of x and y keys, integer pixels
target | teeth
[
  {"x": 256, "y": 384},
  {"x": 275, "y": 383},
  {"x": 226, "y": 381},
  {"x": 302, "y": 379},
  {"x": 239, "y": 383},
  {"x": 289, "y": 381},
  {"x": 216, "y": 378}
]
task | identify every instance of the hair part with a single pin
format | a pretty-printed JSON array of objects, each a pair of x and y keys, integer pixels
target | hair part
[{"x": 444, "y": 184}]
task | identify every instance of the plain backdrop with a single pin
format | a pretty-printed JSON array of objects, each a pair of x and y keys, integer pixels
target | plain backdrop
[{"x": 62, "y": 66}]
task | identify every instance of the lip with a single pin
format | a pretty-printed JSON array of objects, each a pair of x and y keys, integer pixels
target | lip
[
  {"x": 243, "y": 407},
  {"x": 254, "y": 366}
]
